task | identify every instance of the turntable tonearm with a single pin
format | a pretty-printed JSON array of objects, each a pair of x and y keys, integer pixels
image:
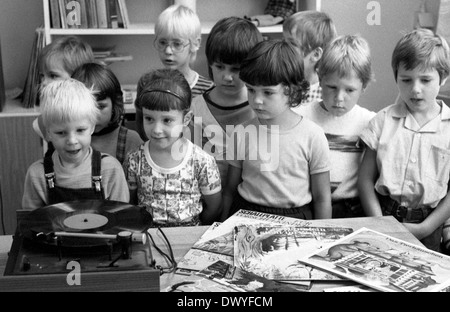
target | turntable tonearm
[{"x": 82, "y": 246}]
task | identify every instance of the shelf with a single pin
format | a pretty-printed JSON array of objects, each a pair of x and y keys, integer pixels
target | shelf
[
  {"x": 14, "y": 108},
  {"x": 141, "y": 29}
]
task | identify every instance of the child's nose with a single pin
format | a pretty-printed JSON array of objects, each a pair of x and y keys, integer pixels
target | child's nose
[{"x": 72, "y": 138}]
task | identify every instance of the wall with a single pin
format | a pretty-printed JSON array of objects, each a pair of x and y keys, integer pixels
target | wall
[
  {"x": 18, "y": 21},
  {"x": 396, "y": 18}
]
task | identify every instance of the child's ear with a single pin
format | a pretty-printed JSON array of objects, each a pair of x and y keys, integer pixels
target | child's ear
[
  {"x": 195, "y": 45},
  {"x": 317, "y": 54},
  {"x": 187, "y": 118},
  {"x": 443, "y": 81}
]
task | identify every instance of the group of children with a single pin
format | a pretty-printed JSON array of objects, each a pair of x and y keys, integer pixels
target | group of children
[{"x": 277, "y": 129}]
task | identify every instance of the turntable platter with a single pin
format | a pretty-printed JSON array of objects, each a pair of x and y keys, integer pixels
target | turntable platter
[{"x": 85, "y": 216}]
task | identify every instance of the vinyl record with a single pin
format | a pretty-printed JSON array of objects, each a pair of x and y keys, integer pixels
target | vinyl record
[{"x": 84, "y": 216}]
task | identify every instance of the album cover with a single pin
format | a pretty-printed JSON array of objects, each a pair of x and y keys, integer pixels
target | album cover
[
  {"x": 384, "y": 263},
  {"x": 217, "y": 242},
  {"x": 273, "y": 252},
  {"x": 240, "y": 280}
]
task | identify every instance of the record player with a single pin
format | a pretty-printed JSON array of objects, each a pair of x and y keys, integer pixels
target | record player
[{"x": 89, "y": 245}]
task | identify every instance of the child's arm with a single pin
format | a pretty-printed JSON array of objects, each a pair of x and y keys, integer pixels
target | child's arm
[
  {"x": 233, "y": 180},
  {"x": 321, "y": 195},
  {"x": 367, "y": 175},
  {"x": 433, "y": 221},
  {"x": 212, "y": 205}
]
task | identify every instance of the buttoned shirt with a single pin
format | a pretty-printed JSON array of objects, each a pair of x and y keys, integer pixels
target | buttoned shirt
[{"x": 413, "y": 161}]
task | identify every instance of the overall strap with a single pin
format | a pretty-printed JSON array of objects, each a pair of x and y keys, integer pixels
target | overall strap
[
  {"x": 49, "y": 172},
  {"x": 121, "y": 142},
  {"x": 96, "y": 170}
]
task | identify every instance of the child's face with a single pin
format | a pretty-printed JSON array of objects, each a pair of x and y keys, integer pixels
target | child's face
[
  {"x": 105, "y": 107},
  {"x": 53, "y": 72},
  {"x": 268, "y": 102},
  {"x": 71, "y": 140},
  {"x": 340, "y": 94},
  {"x": 174, "y": 53},
  {"x": 418, "y": 87},
  {"x": 226, "y": 78},
  {"x": 163, "y": 128}
]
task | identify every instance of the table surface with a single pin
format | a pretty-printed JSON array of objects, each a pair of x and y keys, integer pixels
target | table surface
[{"x": 182, "y": 238}]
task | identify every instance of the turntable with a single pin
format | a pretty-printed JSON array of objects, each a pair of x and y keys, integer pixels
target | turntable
[{"x": 90, "y": 245}]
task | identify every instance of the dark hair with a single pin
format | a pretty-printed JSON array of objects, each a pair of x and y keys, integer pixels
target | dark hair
[
  {"x": 276, "y": 61},
  {"x": 164, "y": 90},
  {"x": 104, "y": 84},
  {"x": 230, "y": 40},
  {"x": 421, "y": 47}
]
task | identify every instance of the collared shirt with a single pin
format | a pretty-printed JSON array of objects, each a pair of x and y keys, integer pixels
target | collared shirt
[{"x": 413, "y": 161}]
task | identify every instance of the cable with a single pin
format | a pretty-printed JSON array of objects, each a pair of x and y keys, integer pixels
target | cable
[{"x": 169, "y": 258}]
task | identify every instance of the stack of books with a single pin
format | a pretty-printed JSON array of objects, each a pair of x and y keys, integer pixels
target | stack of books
[{"x": 89, "y": 14}]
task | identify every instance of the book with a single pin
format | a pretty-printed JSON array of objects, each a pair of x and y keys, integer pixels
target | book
[
  {"x": 383, "y": 263},
  {"x": 244, "y": 281},
  {"x": 111, "y": 11},
  {"x": 91, "y": 8},
  {"x": 102, "y": 16},
  {"x": 273, "y": 252},
  {"x": 55, "y": 14},
  {"x": 124, "y": 13},
  {"x": 84, "y": 23},
  {"x": 62, "y": 13},
  {"x": 30, "y": 91}
]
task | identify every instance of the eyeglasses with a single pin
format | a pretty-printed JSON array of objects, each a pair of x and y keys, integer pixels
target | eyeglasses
[{"x": 176, "y": 46}]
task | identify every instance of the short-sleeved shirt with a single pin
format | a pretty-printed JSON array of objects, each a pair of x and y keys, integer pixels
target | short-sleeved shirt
[
  {"x": 172, "y": 195},
  {"x": 216, "y": 125},
  {"x": 346, "y": 153},
  {"x": 200, "y": 85},
  {"x": 413, "y": 161},
  {"x": 277, "y": 165}
]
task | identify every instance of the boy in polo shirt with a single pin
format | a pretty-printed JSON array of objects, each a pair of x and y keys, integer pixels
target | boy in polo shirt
[{"x": 406, "y": 168}]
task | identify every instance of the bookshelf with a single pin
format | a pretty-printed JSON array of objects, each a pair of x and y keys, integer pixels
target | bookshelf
[
  {"x": 137, "y": 39},
  {"x": 141, "y": 14}
]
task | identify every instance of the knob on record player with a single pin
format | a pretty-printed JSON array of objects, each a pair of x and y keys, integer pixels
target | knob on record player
[{"x": 85, "y": 216}]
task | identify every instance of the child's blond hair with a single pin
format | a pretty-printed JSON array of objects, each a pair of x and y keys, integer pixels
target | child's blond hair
[
  {"x": 67, "y": 100},
  {"x": 311, "y": 29},
  {"x": 347, "y": 53},
  {"x": 180, "y": 21},
  {"x": 69, "y": 51}
]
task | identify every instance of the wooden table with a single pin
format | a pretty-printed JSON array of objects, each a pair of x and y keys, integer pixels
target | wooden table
[{"x": 182, "y": 238}]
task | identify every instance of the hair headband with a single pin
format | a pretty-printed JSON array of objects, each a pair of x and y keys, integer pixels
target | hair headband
[{"x": 163, "y": 91}]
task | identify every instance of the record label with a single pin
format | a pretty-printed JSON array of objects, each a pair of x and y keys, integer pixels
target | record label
[{"x": 85, "y": 221}]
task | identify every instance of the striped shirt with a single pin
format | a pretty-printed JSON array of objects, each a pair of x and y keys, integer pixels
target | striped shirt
[{"x": 200, "y": 85}]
